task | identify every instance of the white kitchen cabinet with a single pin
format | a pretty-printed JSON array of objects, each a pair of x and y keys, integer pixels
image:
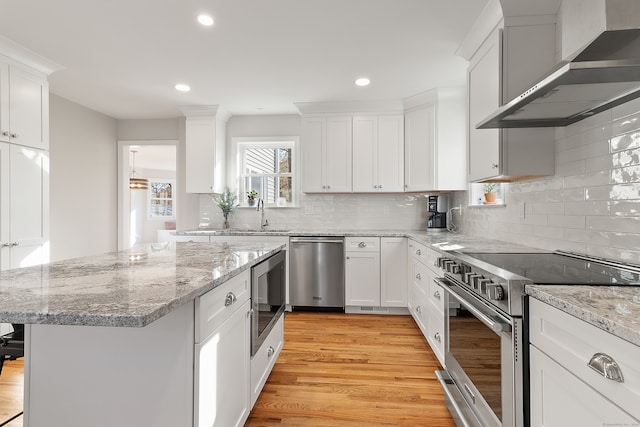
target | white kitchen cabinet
[
  {"x": 393, "y": 271},
  {"x": 24, "y": 106},
  {"x": 564, "y": 389},
  {"x": 205, "y": 149},
  {"x": 265, "y": 358},
  {"x": 378, "y": 153},
  {"x": 326, "y": 154},
  {"x": 435, "y": 141},
  {"x": 362, "y": 274},
  {"x": 24, "y": 204},
  {"x": 505, "y": 65},
  {"x": 222, "y": 355}
]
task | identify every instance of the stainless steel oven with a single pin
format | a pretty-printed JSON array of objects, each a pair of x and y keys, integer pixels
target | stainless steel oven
[
  {"x": 268, "y": 292},
  {"x": 484, "y": 376}
]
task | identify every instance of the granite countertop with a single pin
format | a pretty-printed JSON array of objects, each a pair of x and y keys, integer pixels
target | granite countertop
[
  {"x": 129, "y": 288},
  {"x": 615, "y": 309}
]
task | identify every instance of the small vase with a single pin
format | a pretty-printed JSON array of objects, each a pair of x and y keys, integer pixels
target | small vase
[
  {"x": 251, "y": 202},
  {"x": 226, "y": 224}
]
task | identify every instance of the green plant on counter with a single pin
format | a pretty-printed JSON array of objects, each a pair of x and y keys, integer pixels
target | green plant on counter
[
  {"x": 227, "y": 203},
  {"x": 251, "y": 195},
  {"x": 491, "y": 187}
]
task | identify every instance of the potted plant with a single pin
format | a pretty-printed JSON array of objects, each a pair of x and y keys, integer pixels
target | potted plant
[
  {"x": 251, "y": 197},
  {"x": 490, "y": 190},
  {"x": 227, "y": 203}
]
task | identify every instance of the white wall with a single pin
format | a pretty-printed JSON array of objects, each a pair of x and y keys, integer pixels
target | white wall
[
  {"x": 591, "y": 205},
  {"x": 83, "y": 180}
]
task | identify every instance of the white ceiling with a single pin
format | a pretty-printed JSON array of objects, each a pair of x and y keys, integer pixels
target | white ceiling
[
  {"x": 156, "y": 157},
  {"x": 123, "y": 57}
]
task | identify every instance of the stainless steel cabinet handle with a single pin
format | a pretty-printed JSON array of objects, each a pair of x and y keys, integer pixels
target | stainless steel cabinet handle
[
  {"x": 6, "y": 245},
  {"x": 418, "y": 276},
  {"x": 418, "y": 309},
  {"x": 230, "y": 299},
  {"x": 14, "y": 135},
  {"x": 494, "y": 166},
  {"x": 250, "y": 312},
  {"x": 270, "y": 351},
  {"x": 436, "y": 294},
  {"x": 606, "y": 366},
  {"x": 15, "y": 244},
  {"x": 5, "y": 133},
  {"x": 418, "y": 252},
  {"x": 362, "y": 245},
  {"x": 437, "y": 337}
]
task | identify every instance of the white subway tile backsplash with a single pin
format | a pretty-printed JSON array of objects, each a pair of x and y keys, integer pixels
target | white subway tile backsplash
[{"x": 591, "y": 205}]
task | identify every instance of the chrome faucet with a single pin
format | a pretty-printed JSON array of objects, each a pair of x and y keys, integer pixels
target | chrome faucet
[{"x": 263, "y": 221}]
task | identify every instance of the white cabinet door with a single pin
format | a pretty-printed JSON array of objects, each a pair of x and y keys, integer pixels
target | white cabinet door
[
  {"x": 393, "y": 272},
  {"x": 337, "y": 160},
  {"x": 390, "y": 156},
  {"x": 362, "y": 279},
  {"x": 5, "y": 224},
  {"x": 365, "y": 154},
  {"x": 4, "y": 103},
  {"x": 28, "y": 207},
  {"x": 204, "y": 155},
  {"x": 222, "y": 388},
  {"x": 378, "y": 153},
  {"x": 484, "y": 99},
  {"x": 313, "y": 148},
  {"x": 28, "y": 109},
  {"x": 559, "y": 399},
  {"x": 419, "y": 127},
  {"x": 326, "y": 154}
]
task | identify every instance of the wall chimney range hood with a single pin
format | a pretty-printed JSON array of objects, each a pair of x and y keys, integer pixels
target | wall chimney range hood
[{"x": 604, "y": 74}]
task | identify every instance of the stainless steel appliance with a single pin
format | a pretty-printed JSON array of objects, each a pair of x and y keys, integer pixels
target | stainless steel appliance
[
  {"x": 316, "y": 276},
  {"x": 604, "y": 74},
  {"x": 485, "y": 379},
  {"x": 437, "y": 212},
  {"x": 268, "y": 291}
]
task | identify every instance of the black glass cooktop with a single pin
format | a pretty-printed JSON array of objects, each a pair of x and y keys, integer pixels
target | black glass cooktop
[{"x": 558, "y": 269}]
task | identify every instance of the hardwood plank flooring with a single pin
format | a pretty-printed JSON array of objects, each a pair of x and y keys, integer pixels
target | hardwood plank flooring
[
  {"x": 334, "y": 370},
  {"x": 355, "y": 370},
  {"x": 11, "y": 391}
]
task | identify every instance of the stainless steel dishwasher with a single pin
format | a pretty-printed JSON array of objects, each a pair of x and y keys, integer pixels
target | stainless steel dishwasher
[{"x": 316, "y": 275}]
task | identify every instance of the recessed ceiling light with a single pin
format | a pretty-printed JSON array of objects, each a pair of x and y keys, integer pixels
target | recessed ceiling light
[
  {"x": 182, "y": 87},
  {"x": 363, "y": 82},
  {"x": 205, "y": 20}
]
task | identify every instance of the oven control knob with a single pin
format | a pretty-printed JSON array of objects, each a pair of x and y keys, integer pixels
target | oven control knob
[
  {"x": 482, "y": 285},
  {"x": 454, "y": 268},
  {"x": 495, "y": 292},
  {"x": 471, "y": 279}
]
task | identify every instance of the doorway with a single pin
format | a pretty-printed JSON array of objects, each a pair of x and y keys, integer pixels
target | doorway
[{"x": 146, "y": 215}]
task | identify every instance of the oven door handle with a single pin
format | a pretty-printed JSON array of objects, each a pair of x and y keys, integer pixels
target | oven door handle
[{"x": 495, "y": 324}]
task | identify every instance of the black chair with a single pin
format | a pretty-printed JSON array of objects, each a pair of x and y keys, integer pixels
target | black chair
[{"x": 12, "y": 344}]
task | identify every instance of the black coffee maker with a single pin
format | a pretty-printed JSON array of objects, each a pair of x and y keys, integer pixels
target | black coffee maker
[{"x": 437, "y": 213}]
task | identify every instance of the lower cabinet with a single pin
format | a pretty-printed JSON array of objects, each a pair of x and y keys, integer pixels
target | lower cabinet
[
  {"x": 222, "y": 357},
  {"x": 375, "y": 272},
  {"x": 565, "y": 390},
  {"x": 264, "y": 359}
]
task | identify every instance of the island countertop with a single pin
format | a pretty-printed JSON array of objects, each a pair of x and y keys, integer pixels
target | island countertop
[{"x": 130, "y": 288}]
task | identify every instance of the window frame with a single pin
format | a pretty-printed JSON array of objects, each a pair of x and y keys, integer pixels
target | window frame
[
  {"x": 172, "y": 199},
  {"x": 244, "y": 143}
]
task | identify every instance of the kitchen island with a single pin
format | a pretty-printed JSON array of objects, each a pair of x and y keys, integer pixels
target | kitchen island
[{"x": 109, "y": 339}]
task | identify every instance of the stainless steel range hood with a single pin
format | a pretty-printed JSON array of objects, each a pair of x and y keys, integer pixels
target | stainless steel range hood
[{"x": 601, "y": 76}]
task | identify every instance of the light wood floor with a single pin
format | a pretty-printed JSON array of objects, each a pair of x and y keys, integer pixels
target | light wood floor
[
  {"x": 352, "y": 370},
  {"x": 334, "y": 370},
  {"x": 11, "y": 392}
]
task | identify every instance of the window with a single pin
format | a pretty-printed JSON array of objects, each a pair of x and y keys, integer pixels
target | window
[
  {"x": 268, "y": 168},
  {"x": 161, "y": 198}
]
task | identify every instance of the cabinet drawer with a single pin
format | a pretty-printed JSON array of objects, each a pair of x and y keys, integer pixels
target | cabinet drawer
[
  {"x": 418, "y": 251},
  {"x": 432, "y": 261},
  {"x": 572, "y": 343},
  {"x": 421, "y": 276},
  {"x": 418, "y": 307},
  {"x": 362, "y": 244},
  {"x": 436, "y": 336},
  {"x": 262, "y": 362},
  {"x": 436, "y": 296},
  {"x": 217, "y": 305}
]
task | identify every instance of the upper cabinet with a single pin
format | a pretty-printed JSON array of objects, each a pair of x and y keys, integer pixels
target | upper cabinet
[
  {"x": 378, "y": 153},
  {"x": 24, "y": 106},
  {"x": 435, "y": 141},
  {"x": 516, "y": 53},
  {"x": 205, "y": 149},
  {"x": 326, "y": 154}
]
